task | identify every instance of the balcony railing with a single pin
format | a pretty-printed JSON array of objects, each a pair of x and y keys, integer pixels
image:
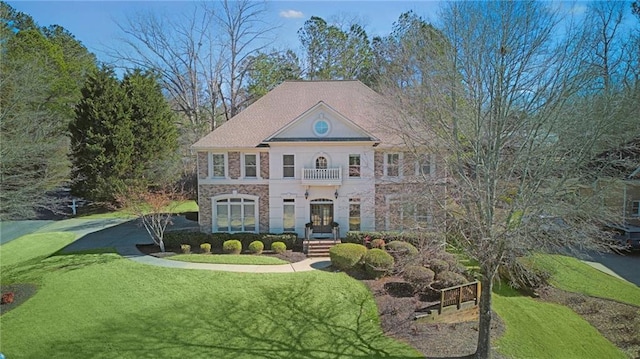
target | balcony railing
[{"x": 327, "y": 176}]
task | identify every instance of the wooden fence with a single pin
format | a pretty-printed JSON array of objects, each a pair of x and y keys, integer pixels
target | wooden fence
[{"x": 457, "y": 295}]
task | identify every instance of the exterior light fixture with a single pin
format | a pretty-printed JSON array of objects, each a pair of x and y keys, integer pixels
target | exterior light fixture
[
  {"x": 336, "y": 194},
  {"x": 306, "y": 194}
]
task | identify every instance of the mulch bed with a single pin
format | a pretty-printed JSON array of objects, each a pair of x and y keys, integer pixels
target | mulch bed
[
  {"x": 397, "y": 307},
  {"x": 21, "y": 292},
  {"x": 618, "y": 322},
  {"x": 154, "y": 250}
]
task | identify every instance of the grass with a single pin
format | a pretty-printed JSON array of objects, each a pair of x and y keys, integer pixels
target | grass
[
  {"x": 174, "y": 207},
  {"x": 572, "y": 275},
  {"x": 227, "y": 259},
  {"x": 32, "y": 246},
  {"x": 97, "y": 304},
  {"x": 535, "y": 329}
]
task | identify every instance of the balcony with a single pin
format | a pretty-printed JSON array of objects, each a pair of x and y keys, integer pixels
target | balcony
[{"x": 322, "y": 177}]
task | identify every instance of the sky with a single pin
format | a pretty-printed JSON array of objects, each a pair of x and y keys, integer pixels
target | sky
[{"x": 94, "y": 23}]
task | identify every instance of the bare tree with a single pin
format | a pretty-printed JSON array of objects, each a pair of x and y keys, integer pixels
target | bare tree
[
  {"x": 201, "y": 58},
  {"x": 499, "y": 112},
  {"x": 244, "y": 33},
  {"x": 154, "y": 208}
]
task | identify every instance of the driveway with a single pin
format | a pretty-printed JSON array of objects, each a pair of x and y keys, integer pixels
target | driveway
[
  {"x": 626, "y": 266},
  {"x": 10, "y": 230}
]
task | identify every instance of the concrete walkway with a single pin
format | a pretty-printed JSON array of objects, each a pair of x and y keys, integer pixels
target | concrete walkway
[{"x": 306, "y": 265}]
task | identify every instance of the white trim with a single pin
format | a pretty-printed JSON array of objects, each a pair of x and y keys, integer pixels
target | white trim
[
  {"x": 318, "y": 120},
  {"x": 243, "y": 174},
  {"x": 210, "y": 165},
  {"x": 318, "y": 155},
  {"x": 637, "y": 213},
  {"x": 385, "y": 164},
  {"x": 214, "y": 210},
  {"x": 432, "y": 166},
  {"x": 294, "y": 166},
  {"x": 359, "y": 176}
]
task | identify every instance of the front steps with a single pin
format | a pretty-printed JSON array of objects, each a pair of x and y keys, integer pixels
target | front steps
[{"x": 319, "y": 247}]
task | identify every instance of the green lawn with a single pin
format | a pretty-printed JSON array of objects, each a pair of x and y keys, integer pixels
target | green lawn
[
  {"x": 572, "y": 275},
  {"x": 174, "y": 207},
  {"x": 227, "y": 259},
  {"x": 535, "y": 329},
  {"x": 100, "y": 305}
]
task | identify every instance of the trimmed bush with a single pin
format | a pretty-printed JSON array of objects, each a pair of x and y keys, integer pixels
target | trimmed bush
[
  {"x": 278, "y": 247},
  {"x": 400, "y": 248},
  {"x": 232, "y": 246},
  {"x": 205, "y": 247},
  {"x": 256, "y": 247},
  {"x": 346, "y": 256},
  {"x": 448, "y": 279},
  {"x": 186, "y": 249},
  {"x": 378, "y": 243},
  {"x": 419, "y": 277},
  {"x": 378, "y": 262},
  {"x": 438, "y": 265}
]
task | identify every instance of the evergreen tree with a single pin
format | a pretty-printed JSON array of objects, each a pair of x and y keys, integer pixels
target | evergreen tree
[{"x": 123, "y": 137}]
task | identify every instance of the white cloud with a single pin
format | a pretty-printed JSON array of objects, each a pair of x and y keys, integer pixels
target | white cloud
[{"x": 291, "y": 14}]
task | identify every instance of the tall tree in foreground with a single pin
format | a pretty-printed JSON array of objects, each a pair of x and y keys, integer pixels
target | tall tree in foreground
[
  {"x": 500, "y": 113},
  {"x": 122, "y": 133},
  {"x": 42, "y": 71}
]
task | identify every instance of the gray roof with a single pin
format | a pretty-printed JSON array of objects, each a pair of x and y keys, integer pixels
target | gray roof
[{"x": 284, "y": 104}]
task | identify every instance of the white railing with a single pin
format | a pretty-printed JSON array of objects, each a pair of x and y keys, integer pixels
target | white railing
[{"x": 322, "y": 175}]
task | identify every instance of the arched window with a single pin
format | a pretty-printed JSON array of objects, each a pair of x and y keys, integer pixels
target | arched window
[
  {"x": 321, "y": 163},
  {"x": 235, "y": 213}
]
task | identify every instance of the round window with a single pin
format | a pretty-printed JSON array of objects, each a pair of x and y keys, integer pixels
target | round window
[{"x": 321, "y": 127}]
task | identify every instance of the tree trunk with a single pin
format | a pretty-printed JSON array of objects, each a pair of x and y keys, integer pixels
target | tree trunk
[{"x": 483, "y": 350}]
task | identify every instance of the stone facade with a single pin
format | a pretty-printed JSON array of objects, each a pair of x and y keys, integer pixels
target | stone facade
[
  {"x": 264, "y": 165},
  {"x": 205, "y": 192},
  {"x": 203, "y": 165},
  {"x": 234, "y": 165}
]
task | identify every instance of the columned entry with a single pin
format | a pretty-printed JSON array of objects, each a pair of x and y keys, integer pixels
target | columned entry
[{"x": 322, "y": 215}]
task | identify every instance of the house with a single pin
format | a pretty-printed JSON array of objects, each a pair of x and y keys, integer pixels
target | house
[{"x": 317, "y": 152}]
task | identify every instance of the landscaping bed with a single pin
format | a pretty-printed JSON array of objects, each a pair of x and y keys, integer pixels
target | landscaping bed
[{"x": 154, "y": 250}]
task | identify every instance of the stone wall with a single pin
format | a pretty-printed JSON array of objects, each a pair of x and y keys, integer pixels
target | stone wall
[
  {"x": 203, "y": 165},
  {"x": 234, "y": 165},
  {"x": 205, "y": 192},
  {"x": 264, "y": 165}
]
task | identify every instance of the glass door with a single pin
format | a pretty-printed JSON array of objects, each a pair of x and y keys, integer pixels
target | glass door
[{"x": 321, "y": 217}]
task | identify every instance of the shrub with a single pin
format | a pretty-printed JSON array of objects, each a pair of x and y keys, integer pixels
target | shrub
[
  {"x": 448, "y": 279},
  {"x": 345, "y": 256},
  {"x": 205, "y": 247},
  {"x": 378, "y": 262},
  {"x": 256, "y": 247},
  {"x": 378, "y": 243},
  {"x": 400, "y": 248},
  {"x": 7, "y": 298},
  {"x": 438, "y": 265},
  {"x": 419, "y": 277},
  {"x": 232, "y": 246},
  {"x": 278, "y": 247},
  {"x": 186, "y": 249}
]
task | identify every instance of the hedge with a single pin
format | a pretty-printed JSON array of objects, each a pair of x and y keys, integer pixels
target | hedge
[
  {"x": 415, "y": 238},
  {"x": 346, "y": 256},
  {"x": 377, "y": 262},
  {"x": 195, "y": 239}
]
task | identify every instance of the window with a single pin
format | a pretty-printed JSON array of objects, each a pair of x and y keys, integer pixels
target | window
[
  {"x": 406, "y": 215},
  {"x": 288, "y": 166},
  {"x": 321, "y": 163},
  {"x": 425, "y": 166},
  {"x": 354, "y": 165},
  {"x": 321, "y": 128},
  {"x": 392, "y": 165},
  {"x": 635, "y": 208},
  {"x": 289, "y": 215},
  {"x": 250, "y": 166},
  {"x": 354, "y": 214},
  {"x": 217, "y": 165},
  {"x": 235, "y": 215}
]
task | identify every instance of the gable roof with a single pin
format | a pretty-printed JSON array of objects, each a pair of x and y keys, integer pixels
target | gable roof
[{"x": 287, "y": 102}]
